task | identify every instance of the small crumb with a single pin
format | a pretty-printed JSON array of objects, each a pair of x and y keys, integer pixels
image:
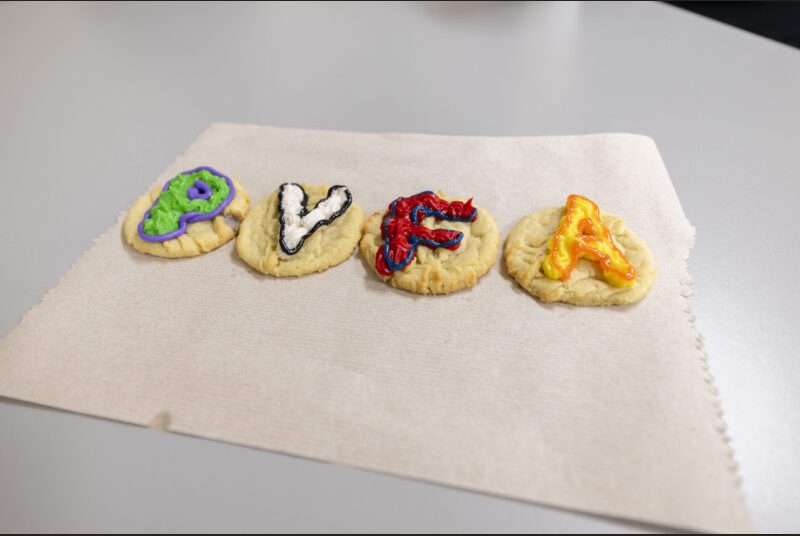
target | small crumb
[{"x": 160, "y": 421}]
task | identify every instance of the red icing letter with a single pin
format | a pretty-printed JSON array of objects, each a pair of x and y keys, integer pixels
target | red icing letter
[{"x": 402, "y": 229}]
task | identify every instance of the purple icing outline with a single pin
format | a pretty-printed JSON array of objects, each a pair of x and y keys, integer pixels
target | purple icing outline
[
  {"x": 194, "y": 191},
  {"x": 189, "y": 217}
]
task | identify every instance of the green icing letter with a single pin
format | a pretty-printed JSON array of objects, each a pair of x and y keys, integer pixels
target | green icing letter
[{"x": 199, "y": 192}]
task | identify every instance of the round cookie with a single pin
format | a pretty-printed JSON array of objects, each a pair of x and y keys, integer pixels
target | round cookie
[
  {"x": 527, "y": 246},
  {"x": 327, "y": 245},
  {"x": 439, "y": 270},
  {"x": 195, "y": 237}
]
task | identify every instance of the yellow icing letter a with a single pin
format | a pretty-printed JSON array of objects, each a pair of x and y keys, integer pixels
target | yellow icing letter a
[{"x": 581, "y": 234}]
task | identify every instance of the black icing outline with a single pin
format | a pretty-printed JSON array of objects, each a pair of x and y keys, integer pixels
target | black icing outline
[{"x": 305, "y": 211}]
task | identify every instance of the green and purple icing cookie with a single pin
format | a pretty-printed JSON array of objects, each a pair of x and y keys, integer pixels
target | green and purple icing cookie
[{"x": 196, "y": 195}]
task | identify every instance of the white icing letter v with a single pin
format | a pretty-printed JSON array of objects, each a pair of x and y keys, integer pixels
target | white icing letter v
[{"x": 297, "y": 223}]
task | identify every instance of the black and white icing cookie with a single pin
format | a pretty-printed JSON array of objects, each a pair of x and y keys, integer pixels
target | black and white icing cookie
[
  {"x": 298, "y": 223},
  {"x": 301, "y": 229}
]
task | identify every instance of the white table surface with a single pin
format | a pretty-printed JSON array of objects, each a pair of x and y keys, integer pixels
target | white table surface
[{"x": 95, "y": 100}]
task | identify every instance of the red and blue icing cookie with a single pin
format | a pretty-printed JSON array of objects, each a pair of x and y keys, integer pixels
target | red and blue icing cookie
[
  {"x": 402, "y": 228},
  {"x": 429, "y": 244}
]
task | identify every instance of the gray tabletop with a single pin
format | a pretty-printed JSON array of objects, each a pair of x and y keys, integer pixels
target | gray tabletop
[{"x": 95, "y": 100}]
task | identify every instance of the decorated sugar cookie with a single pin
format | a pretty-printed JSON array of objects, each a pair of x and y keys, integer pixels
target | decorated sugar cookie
[
  {"x": 576, "y": 254},
  {"x": 193, "y": 213},
  {"x": 301, "y": 229},
  {"x": 430, "y": 244}
]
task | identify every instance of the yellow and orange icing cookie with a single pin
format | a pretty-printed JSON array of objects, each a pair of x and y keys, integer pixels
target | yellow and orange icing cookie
[
  {"x": 582, "y": 234},
  {"x": 576, "y": 254}
]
